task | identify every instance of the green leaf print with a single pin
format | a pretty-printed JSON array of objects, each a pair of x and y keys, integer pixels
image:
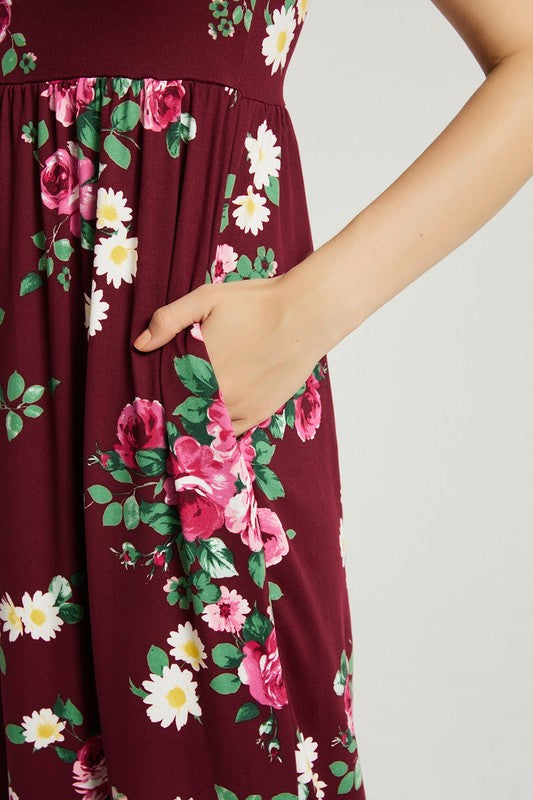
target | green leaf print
[
  {"x": 256, "y": 567},
  {"x": 137, "y": 690},
  {"x": 2, "y": 662},
  {"x": 39, "y": 240},
  {"x": 33, "y": 393},
  {"x": 131, "y": 512},
  {"x": 347, "y": 783},
  {"x": 230, "y": 183},
  {"x": 65, "y": 754},
  {"x": 227, "y": 655},
  {"x": 9, "y": 61},
  {"x": 113, "y": 514},
  {"x": 15, "y": 385},
  {"x": 125, "y": 116},
  {"x": 42, "y": 134},
  {"x": 32, "y": 411},
  {"x": 63, "y": 249},
  {"x": 285, "y": 796},
  {"x": 19, "y": 39},
  {"x": 13, "y": 424},
  {"x": 99, "y": 493},
  {"x": 196, "y": 374},
  {"x": 88, "y": 128},
  {"x": 59, "y": 587},
  {"x": 29, "y": 283},
  {"x": 173, "y": 139},
  {"x": 152, "y": 462},
  {"x": 117, "y": 151},
  {"x": 272, "y": 190},
  {"x": 247, "y": 711},
  {"x": 225, "y": 794},
  {"x": 226, "y": 683},
  {"x": 339, "y": 768},
  {"x": 257, "y": 627},
  {"x": 274, "y": 591},
  {"x": 268, "y": 482},
  {"x": 15, "y": 733},
  {"x": 71, "y": 612},
  {"x": 68, "y": 711},
  {"x": 216, "y": 558},
  {"x": 157, "y": 659},
  {"x": 163, "y": 518}
]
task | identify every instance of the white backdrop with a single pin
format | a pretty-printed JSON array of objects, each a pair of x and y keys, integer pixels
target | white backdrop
[{"x": 434, "y": 404}]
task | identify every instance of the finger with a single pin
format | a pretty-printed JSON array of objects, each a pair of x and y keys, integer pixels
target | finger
[{"x": 167, "y": 320}]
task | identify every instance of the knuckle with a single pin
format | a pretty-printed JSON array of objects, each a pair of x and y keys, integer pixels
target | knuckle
[{"x": 162, "y": 317}]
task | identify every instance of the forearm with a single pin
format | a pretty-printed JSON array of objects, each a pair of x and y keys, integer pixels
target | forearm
[{"x": 478, "y": 162}]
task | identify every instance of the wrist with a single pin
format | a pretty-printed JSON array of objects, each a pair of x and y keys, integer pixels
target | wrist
[{"x": 318, "y": 299}]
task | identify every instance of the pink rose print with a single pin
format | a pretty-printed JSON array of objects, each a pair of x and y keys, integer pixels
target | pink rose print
[
  {"x": 241, "y": 512},
  {"x": 228, "y": 613},
  {"x": 59, "y": 181},
  {"x": 219, "y": 426},
  {"x": 308, "y": 410},
  {"x": 260, "y": 669},
  {"x": 225, "y": 261},
  {"x": 5, "y": 17},
  {"x": 68, "y": 99},
  {"x": 60, "y": 188},
  {"x": 89, "y": 771},
  {"x": 200, "y": 485},
  {"x": 348, "y": 707},
  {"x": 162, "y": 103},
  {"x": 274, "y": 537},
  {"x": 140, "y": 426},
  {"x": 87, "y": 199}
]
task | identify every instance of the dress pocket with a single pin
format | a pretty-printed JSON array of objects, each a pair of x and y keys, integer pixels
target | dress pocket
[{"x": 202, "y": 412}]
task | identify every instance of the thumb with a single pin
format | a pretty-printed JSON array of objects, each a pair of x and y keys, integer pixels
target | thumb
[{"x": 168, "y": 320}]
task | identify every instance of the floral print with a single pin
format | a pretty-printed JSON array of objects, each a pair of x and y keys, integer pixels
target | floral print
[{"x": 186, "y": 635}]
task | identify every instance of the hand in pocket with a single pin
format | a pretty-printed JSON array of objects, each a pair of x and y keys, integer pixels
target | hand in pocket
[{"x": 260, "y": 351}]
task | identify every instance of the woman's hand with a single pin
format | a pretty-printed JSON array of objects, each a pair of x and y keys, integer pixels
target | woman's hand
[{"x": 261, "y": 342}]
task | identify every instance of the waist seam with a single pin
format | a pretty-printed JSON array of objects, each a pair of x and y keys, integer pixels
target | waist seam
[{"x": 43, "y": 81}]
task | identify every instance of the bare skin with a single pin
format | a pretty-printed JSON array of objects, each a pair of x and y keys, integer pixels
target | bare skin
[{"x": 466, "y": 175}]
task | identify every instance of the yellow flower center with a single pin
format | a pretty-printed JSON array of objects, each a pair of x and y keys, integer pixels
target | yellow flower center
[
  {"x": 192, "y": 649},
  {"x": 176, "y": 697},
  {"x": 119, "y": 254},
  {"x": 260, "y": 153},
  {"x": 109, "y": 212},
  {"x": 45, "y": 730},
  {"x": 14, "y": 619},
  {"x": 250, "y": 205},
  {"x": 37, "y": 616},
  {"x": 280, "y": 44}
]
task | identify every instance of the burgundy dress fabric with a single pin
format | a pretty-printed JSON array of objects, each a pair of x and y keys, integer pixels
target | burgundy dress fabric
[{"x": 174, "y": 616}]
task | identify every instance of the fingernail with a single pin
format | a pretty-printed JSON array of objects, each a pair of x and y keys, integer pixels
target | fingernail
[{"x": 142, "y": 339}]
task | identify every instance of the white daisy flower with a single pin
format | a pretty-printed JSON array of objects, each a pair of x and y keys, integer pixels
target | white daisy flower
[
  {"x": 116, "y": 257},
  {"x": 10, "y": 614},
  {"x": 251, "y": 211},
  {"x": 95, "y": 308},
  {"x": 40, "y": 616},
  {"x": 280, "y": 33},
  {"x": 264, "y": 155},
  {"x": 43, "y": 728},
  {"x": 111, "y": 208},
  {"x": 303, "y": 8},
  {"x": 318, "y": 786},
  {"x": 306, "y": 755},
  {"x": 187, "y": 645},
  {"x": 171, "y": 696}
]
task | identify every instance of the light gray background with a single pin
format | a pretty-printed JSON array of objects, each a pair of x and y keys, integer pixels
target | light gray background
[{"x": 434, "y": 405}]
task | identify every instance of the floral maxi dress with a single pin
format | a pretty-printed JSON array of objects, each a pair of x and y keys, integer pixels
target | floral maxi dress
[{"x": 173, "y": 602}]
